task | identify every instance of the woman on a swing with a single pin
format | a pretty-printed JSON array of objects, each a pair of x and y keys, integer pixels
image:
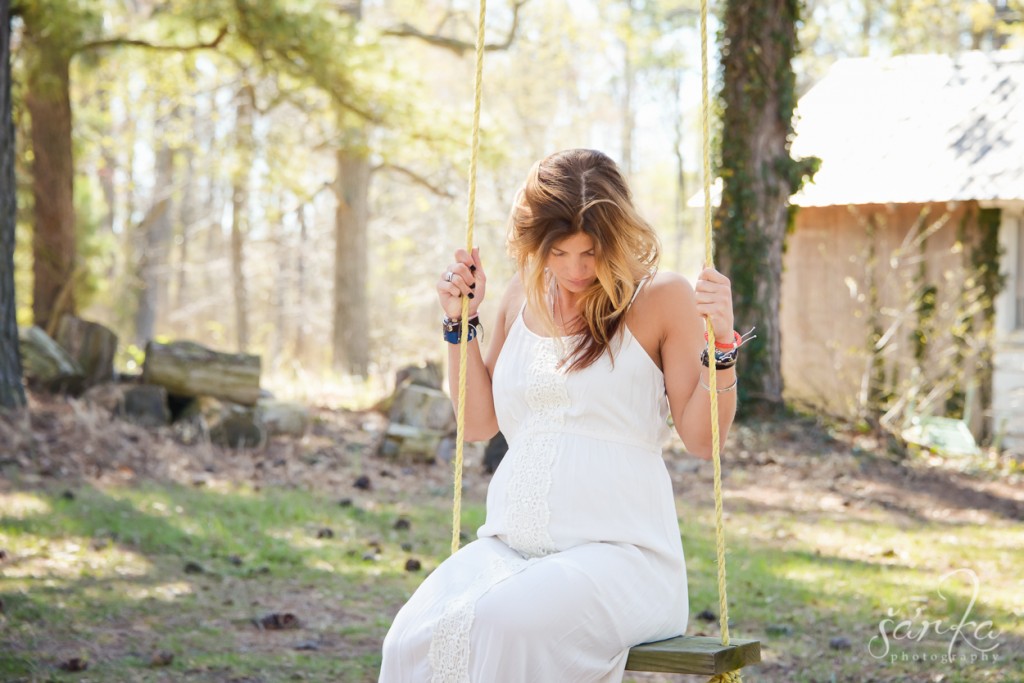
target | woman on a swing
[{"x": 580, "y": 556}]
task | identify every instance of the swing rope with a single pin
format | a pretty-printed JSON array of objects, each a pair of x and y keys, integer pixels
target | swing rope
[
  {"x": 709, "y": 260},
  {"x": 728, "y": 677},
  {"x": 460, "y": 420}
]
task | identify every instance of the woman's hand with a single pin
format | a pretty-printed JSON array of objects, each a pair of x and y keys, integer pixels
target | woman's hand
[
  {"x": 714, "y": 301},
  {"x": 464, "y": 277}
]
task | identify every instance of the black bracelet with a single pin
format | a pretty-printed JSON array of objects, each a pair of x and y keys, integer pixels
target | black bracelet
[
  {"x": 452, "y": 329},
  {"x": 723, "y": 359}
]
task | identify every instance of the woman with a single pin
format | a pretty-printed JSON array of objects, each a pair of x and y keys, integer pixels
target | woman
[{"x": 580, "y": 556}]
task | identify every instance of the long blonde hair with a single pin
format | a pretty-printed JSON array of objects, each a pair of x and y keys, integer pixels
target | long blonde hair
[{"x": 582, "y": 191}]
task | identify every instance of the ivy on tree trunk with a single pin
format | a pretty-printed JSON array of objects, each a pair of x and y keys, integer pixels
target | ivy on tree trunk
[{"x": 758, "y": 96}]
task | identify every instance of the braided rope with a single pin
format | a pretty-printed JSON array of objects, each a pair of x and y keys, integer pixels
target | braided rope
[
  {"x": 460, "y": 419},
  {"x": 729, "y": 677},
  {"x": 709, "y": 260}
]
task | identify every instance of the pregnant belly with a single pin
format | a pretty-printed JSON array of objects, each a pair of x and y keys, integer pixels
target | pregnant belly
[{"x": 553, "y": 491}]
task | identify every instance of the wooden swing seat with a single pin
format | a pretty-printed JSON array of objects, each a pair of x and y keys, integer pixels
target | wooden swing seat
[{"x": 701, "y": 655}]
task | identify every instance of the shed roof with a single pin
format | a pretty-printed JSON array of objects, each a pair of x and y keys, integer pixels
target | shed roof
[{"x": 915, "y": 128}]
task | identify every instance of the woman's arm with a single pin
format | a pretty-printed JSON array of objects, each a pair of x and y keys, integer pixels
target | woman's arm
[
  {"x": 682, "y": 342},
  {"x": 481, "y": 421}
]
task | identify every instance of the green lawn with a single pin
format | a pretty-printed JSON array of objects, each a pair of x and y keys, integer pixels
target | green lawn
[{"x": 118, "y": 574}]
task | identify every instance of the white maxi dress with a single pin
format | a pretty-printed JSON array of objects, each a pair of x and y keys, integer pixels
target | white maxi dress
[{"x": 580, "y": 555}]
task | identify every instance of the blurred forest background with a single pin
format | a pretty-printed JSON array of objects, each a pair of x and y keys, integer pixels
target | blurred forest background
[
  {"x": 283, "y": 181},
  {"x": 287, "y": 178}
]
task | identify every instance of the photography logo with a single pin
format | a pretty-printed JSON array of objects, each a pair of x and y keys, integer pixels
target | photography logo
[{"x": 897, "y": 636}]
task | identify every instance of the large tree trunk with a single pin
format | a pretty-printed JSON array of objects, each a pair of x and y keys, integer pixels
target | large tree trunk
[
  {"x": 240, "y": 213},
  {"x": 12, "y": 394},
  {"x": 758, "y": 96},
  {"x": 351, "y": 316},
  {"x": 53, "y": 248}
]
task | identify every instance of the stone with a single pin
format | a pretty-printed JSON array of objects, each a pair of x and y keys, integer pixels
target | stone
[
  {"x": 281, "y": 417},
  {"x": 46, "y": 364}
]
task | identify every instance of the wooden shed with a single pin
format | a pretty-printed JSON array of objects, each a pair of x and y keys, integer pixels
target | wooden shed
[{"x": 904, "y": 276}]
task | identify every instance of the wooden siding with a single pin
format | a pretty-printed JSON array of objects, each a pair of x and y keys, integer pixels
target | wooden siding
[{"x": 832, "y": 265}]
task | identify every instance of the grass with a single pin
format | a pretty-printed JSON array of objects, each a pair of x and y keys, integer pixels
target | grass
[
  {"x": 118, "y": 574},
  {"x": 797, "y": 583}
]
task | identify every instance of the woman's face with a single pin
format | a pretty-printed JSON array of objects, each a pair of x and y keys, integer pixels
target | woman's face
[{"x": 572, "y": 262}]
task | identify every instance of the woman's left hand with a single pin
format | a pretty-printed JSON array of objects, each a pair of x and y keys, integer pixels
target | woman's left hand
[{"x": 714, "y": 301}]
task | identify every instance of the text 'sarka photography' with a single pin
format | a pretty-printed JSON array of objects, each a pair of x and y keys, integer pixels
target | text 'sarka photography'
[{"x": 946, "y": 629}]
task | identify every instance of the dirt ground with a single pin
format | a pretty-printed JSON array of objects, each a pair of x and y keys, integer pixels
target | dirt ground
[
  {"x": 797, "y": 465},
  {"x": 779, "y": 464}
]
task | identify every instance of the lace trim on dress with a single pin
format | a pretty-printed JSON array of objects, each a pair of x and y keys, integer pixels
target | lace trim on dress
[
  {"x": 528, "y": 514},
  {"x": 450, "y": 642}
]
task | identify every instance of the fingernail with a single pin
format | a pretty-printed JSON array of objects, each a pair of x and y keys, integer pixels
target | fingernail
[
  {"x": 471, "y": 295},
  {"x": 473, "y": 286},
  {"x": 472, "y": 269}
]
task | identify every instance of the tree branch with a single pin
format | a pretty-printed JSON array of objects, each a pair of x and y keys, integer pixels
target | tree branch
[
  {"x": 459, "y": 47},
  {"x": 131, "y": 42},
  {"x": 415, "y": 177}
]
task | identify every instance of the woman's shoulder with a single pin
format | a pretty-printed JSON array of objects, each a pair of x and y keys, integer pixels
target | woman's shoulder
[
  {"x": 663, "y": 288},
  {"x": 511, "y": 301}
]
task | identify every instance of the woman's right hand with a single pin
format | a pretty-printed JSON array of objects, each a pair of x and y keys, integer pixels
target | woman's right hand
[{"x": 467, "y": 279}]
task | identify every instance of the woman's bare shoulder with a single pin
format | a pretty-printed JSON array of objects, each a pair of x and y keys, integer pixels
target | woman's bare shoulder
[
  {"x": 665, "y": 291},
  {"x": 515, "y": 292}
]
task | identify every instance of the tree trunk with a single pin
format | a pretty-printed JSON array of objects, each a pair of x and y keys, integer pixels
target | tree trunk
[
  {"x": 629, "y": 83},
  {"x": 91, "y": 345},
  {"x": 758, "y": 96},
  {"x": 187, "y": 212},
  {"x": 351, "y": 316},
  {"x": 156, "y": 241},
  {"x": 12, "y": 394},
  {"x": 240, "y": 213},
  {"x": 53, "y": 246},
  {"x": 108, "y": 170},
  {"x": 278, "y": 294},
  {"x": 677, "y": 148},
  {"x": 302, "y": 326}
]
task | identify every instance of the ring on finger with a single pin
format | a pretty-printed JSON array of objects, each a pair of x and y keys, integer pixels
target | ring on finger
[{"x": 448, "y": 276}]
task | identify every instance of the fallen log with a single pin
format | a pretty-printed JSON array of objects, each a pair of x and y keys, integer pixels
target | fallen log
[{"x": 189, "y": 369}]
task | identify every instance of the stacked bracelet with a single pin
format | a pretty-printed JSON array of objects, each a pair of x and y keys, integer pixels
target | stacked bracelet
[
  {"x": 726, "y": 353},
  {"x": 452, "y": 329},
  {"x": 723, "y": 359},
  {"x": 737, "y": 342}
]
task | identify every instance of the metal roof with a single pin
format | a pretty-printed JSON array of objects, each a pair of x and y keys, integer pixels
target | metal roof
[{"x": 915, "y": 128}]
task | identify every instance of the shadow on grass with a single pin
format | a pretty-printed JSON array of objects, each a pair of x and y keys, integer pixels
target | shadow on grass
[
  {"x": 816, "y": 614},
  {"x": 259, "y": 553},
  {"x": 116, "y": 575}
]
